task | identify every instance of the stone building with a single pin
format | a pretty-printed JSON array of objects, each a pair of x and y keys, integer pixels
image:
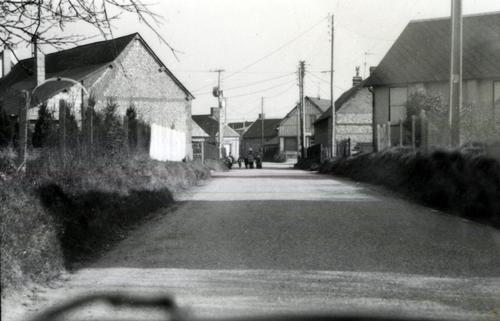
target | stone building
[
  {"x": 262, "y": 131},
  {"x": 210, "y": 124},
  {"x": 125, "y": 70},
  {"x": 418, "y": 65},
  {"x": 353, "y": 118},
  {"x": 288, "y": 128}
]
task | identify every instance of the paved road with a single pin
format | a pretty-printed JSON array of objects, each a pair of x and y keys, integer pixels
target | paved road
[{"x": 274, "y": 240}]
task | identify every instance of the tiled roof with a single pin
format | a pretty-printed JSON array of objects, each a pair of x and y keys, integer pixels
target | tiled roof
[
  {"x": 270, "y": 128},
  {"x": 322, "y": 104},
  {"x": 211, "y": 126},
  {"x": 197, "y": 131},
  {"x": 75, "y": 63},
  {"x": 81, "y": 57},
  {"x": 422, "y": 51},
  {"x": 348, "y": 94}
]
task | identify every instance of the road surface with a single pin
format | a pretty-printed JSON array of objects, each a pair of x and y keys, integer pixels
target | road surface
[{"x": 282, "y": 240}]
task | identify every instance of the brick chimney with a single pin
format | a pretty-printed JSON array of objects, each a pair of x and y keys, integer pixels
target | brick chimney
[
  {"x": 6, "y": 62},
  {"x": 356, "y": 80},
  {"x": 215, "y": 112}
]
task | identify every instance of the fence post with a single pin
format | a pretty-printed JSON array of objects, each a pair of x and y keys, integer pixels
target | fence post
[
  {"x": 423, "y": 132},
  {"x": 62, "y": 128},
  {"x": 413, "y": 121},
  {"x": 400, "y": 132},
  {"x": 389, "y": 140},
  {"x": 377, "y": 148},
  {"x": 23, "y": 131}
]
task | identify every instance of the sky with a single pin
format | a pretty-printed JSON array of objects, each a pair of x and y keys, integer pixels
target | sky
[{"x": 259, "y": 44}]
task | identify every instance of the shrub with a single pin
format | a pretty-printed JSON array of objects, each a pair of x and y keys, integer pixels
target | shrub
[
  {"x": 45, "y": 133},
  {"x": 74, "y": 212}
]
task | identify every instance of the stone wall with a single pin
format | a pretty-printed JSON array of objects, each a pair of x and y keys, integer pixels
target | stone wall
[{"x": 137, "y": 79}]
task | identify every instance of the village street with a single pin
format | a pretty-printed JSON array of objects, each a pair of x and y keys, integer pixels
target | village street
[{"x": 274, "y": 240}]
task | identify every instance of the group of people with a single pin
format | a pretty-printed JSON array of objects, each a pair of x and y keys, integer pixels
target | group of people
[{"x": 251, "y": 160}]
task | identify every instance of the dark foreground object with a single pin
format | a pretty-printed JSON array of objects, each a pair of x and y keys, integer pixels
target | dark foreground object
[
  {"x": 458, "y": 183},
  {"x": 167, "y": 306}
]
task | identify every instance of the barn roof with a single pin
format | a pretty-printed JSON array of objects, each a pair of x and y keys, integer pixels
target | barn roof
[
  {"x": 270, "y": 128},
  {"x": 346, "y": 95},
  {"x": 76, "y": 63},
  {"x": 422, "y": 51},
  {"x": 211, "y": 126}
]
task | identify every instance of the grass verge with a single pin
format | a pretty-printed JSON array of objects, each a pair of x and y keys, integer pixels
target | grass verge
[{"x": 61, "y": 213}]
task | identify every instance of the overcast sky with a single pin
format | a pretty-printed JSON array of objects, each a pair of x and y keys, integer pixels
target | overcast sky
[{"x": 232, "y": 34}]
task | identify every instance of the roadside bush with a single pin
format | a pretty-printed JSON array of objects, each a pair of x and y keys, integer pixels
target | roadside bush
[
  {"x": 66, "y": 211},
  {"x": 30, "y": 249},
  {"x": 465, "y": 184}
]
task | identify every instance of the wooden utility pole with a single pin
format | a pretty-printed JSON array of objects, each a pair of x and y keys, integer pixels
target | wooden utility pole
[
  {"x": 332, "y": 102},
  {"x": 302, "y": 70},
  {"x": 455, "y": 72},
  {"x": 262, "y": 126},
  {"x": 219, "y": 94}
]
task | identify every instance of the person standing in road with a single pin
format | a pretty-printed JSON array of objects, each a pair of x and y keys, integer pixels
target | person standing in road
[
  {"x": 250, "y": 157},
  {"x": 240, "y": 160}
]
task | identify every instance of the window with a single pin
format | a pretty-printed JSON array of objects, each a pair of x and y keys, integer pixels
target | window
[
  {"x": 496, "y": 100},
  {"x": 312, "y": 119},
  {"x": 398, "y": 97}
]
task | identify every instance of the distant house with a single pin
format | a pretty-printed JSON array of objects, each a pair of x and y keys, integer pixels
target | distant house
[
  {"x": 200, "y": 139},
  {"x": 288, "y": 128},
  {"x": 418, "y": 65},
  {"x": 353, "y": 118},
  {"x": 265, "y": 129},
  {"x": 210, "y": 124},
  {"x": 240, "y": 127},
  {"x": 125, "y": 70}
]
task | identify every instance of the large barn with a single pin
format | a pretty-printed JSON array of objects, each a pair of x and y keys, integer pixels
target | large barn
[{"x": 124, "y": 69}]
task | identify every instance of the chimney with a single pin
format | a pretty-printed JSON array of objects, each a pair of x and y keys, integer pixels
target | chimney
[
  {"x": 215, "y": 112},
  {"x": 39, "y": 61},
  {"x": 40, "y": 67},
  {"x": 6, "y": 62},
  {"x": 356, "y": 80},
  {"x": 372, "y": 69}
]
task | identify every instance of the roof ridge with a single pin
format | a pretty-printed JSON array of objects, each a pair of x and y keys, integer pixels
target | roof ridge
[
  {"x": 472, "y": 15},
  {"x": 85, "y": 45}
]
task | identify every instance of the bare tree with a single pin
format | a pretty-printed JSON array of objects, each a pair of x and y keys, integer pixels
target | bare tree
[{"x": 23, "y": 21}]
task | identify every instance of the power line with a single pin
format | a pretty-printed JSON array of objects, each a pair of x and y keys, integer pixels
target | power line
[
  {"x": 262, "y": 90},
  {"x": 250, "y": 84},
  {"x": 323, "y": 80},
  {"x": 281, "y": 93},
  {"x": 277, "y": 49},
  {"x": 270, "y": 53}
]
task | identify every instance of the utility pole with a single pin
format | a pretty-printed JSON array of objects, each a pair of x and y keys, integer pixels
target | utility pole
[
  {"x": 332, "y": 103},
  {"x": 302, "y": 70},
  {"x": 217, "y": 92},
  {"x": 455, "y": 72},
  {"x": 262, "y": 126}
]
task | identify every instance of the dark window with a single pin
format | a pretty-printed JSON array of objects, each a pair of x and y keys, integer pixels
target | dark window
[
  {"x": 496, "y": 100},
  {"x": 398, "y": 96}
]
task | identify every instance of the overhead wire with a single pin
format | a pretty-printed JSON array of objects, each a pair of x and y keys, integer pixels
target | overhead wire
[
  {"x": 270, "y": 53},
  {"x": 279, "y": 48},
  {"x": 323, "y": 80},
  {"x": 252, "y": 83},
  {"x": 262, "y": 90}
]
